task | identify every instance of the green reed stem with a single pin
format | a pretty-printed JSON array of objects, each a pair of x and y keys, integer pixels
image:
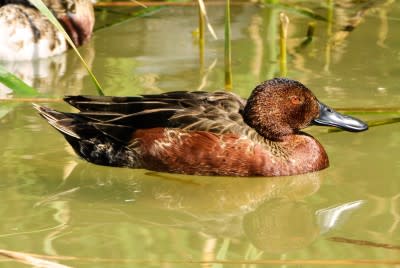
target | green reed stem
[
  {"x": 49, "y": 15},
  {"x": 369, "y": 110},
  {"x": 228, "y": 52},
  {"x": 329, "y": 16},
  {"x": 19, "y": 87},
  {"x": 271, "y": 36},
  {"x": 283, "y": 40},
  {"x": 329, "y": 27},
  {"x": 202, "y": 23}
]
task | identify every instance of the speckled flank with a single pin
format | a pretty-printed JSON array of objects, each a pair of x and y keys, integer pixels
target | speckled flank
[
  {"x": 25, "y": 34},
  {"x": 206, "y": 153}
]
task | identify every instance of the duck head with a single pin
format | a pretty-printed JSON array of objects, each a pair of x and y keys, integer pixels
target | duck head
[
  {"x": 280, "y": 107},
  {"x": 76, "y": 16}
]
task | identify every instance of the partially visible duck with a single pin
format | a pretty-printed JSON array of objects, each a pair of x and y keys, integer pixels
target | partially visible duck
[
  {"x": 203, "y": 133},
  {"x": 25, "y": 34}
]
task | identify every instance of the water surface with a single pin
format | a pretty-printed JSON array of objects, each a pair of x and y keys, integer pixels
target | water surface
[{"x": 54, "y": 203}]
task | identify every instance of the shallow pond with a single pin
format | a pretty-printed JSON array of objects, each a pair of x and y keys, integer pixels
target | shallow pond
[{"x": 53, "y": 203}]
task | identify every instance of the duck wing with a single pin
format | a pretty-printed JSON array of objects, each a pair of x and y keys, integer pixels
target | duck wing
[
  {"x": 119, "y": 117},
  {"x": 16, "y": 2}
]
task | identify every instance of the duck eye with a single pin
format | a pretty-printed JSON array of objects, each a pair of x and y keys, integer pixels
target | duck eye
[{"x": 295, "y": 100}]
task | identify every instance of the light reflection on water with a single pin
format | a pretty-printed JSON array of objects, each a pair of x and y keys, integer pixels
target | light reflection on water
[{"x": 54, "y": 203}]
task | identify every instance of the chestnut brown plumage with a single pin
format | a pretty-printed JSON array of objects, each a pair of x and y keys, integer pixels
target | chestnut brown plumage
[{"x": 203, "y": 133}]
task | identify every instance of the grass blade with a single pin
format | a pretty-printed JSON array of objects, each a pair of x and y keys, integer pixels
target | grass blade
[
  {"x": 19, "y": 87},
  {"x": 202, "y": 21},
  {"x": 228, "y": 52},
  {"x": 283, "y": 39},
  {"x": 49, "y": 15},
  {"x": 369, "y": 110},
  {"x": 204, "y": 12}
]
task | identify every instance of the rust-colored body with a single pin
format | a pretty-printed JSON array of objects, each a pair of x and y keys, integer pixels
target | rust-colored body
[
  {"x": 207, "y": 153},
  {"x": 203, "y": 133}
]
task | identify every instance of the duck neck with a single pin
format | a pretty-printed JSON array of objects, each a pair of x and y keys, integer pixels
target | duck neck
[{"x": 269, "y": 123}]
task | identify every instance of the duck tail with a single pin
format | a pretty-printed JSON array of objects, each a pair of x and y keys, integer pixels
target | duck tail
[
  {"x": 92, "y": 142},
  {"x": 63, "y": 122}
]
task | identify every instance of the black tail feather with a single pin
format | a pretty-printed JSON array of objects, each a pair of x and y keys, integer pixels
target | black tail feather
[{"x": 97, "y": 142}]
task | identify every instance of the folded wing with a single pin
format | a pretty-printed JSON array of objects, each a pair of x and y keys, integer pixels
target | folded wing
[{"x": 119, "y": 117}]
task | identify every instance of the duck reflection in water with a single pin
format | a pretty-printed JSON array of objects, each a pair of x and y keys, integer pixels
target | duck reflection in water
[
  {"x": 51, "y": 76},
  {"x": 269, "y": 213}
]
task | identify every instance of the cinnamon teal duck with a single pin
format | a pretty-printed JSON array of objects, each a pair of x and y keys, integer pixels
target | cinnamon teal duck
[
  {"x": 25, "y": 34},
  {"x": 203, "y": 133}
]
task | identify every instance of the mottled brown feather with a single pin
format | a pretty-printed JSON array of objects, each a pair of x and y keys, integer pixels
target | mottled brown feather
[{"x": 198, "y": 132}]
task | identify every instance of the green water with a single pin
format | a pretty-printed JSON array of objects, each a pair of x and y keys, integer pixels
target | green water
[{"x": 53, "y": 203}]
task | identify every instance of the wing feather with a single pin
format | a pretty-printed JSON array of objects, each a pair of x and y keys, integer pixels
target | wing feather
[{"x": 218, "y": 112}]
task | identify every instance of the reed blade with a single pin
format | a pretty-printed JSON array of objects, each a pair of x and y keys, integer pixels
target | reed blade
[
  {"x": 202, "y": 21},
  {"x": 284, "y": 19},
  {"x": 204, "y": 12},
  {"x": 49, "y": 15},
  {"x": 228, "y": 52},
  {"x": 18, "y": 87}
]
